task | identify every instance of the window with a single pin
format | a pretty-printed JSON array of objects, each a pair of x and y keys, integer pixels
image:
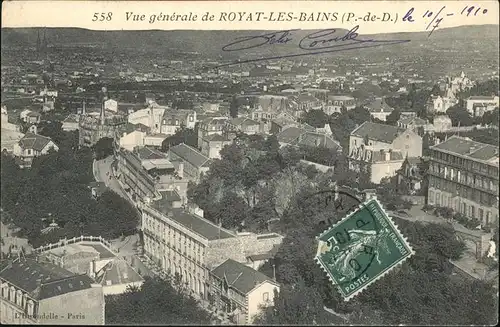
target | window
[{"x": 265, "y": 296}]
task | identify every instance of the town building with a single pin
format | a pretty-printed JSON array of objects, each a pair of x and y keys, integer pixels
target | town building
[
  {"x": 411, "y": 175},
  {"x": 240, "y": 291},
  {"x": 299, "y": 136},
  {"x": 30, "y": 117},
  {"x": 70, "y": 123},
  {"x": 10, "y": 133},
  {"x": 194, "y": 162},
  {"x": 377, "y": 164},
  {"x": 437, "y": 104},
  {"x": 335, "y": 103},
  {"x": 144, "y": 172},
  {"x": 213, "y": 144},
  {"x": 185, "y": 244},
  {"x": 418, "y": 125},
  {"x": 136, "y": 136},
  {"x": 463, "y": 176},
  {"x": 442, "y": 123},
  {"x": 93, "y": 126},
  {"x": 210, "y": 126},
  {"x": 30, "y": 146},
  {"x": 39, "y": 292},
  {"x": 456, "y": 85},
  {"x": 306, "y": 102},
  {"x": 379, "y": 109},
  {"x": 96, "y": 259},
  {"x": 378, "y": 137},
  {"x": 173, "y": 120},
  {"x": 477, "y": 105},
  {"x": 210, "y": 107},
  {"x": 244, "y": 125}
]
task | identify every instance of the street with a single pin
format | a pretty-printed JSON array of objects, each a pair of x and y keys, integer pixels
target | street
[{"x": 102, "y": 172}]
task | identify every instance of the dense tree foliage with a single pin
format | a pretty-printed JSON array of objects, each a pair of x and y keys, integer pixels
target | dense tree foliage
[
  {"x": 344, "y": 123},
  {"x": 315, "y": 118},
  {"x": 255, "y": 181},
  {"x": 233, "y": 107},
  {"x": 155, "y": 302},
  {"x": 459, "y": 116},
  {"x": 182, "y": 135},
  {"x": 486, "y": 88},
  {"x": 393, "y": 117},
  {"x": 56, "y": 187},
  {"x": 491, "y": 117},
  {"x": 415, "y": 100},
  {"x": 415, "y": 293},
  {"x": 103, "y": 148}
]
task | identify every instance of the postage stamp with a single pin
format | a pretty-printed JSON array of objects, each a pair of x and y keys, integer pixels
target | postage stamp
[{"x": 361, "y": 248}]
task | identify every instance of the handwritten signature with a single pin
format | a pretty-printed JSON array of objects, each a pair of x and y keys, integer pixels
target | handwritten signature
[{"x": 319, "y": 42}]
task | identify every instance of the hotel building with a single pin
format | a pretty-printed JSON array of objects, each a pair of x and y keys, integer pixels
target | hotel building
[
  {"x": 185, "y": 244},
  {"x": 463, "y": 176}
]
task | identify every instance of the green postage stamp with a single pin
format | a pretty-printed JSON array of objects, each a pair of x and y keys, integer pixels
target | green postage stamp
[{"x": 361, "y": 248}]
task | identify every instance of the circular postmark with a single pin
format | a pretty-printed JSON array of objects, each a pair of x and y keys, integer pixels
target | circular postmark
[{"x": 347, "y": 248}]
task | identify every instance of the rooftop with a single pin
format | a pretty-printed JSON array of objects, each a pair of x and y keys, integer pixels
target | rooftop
[
  {"x": 199, "y": 225},
  {"x": 468, "y": 148},
  {"x": 34, "y": 141},
  {"x": 412, "y": 120},
  {"x": 42, "y": 280},
  {"x": 190, "y": 155},
  {"x": 117, "y": 272},
  {"x": 146, "y": 153},
  {"x": 482, "y": 98},
  {"x": 378, "y": 105},
  {"x": 378, "y": 132},
  {"x": 239, "y": 276}
]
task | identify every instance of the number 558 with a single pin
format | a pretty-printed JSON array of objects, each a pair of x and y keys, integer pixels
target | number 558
[{"x": 102, "y": 16}]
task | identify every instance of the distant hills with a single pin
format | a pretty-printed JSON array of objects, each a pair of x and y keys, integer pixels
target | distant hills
[{"x": 463, "y": 39}]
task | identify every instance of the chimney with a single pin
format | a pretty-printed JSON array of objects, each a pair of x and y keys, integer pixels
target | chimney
[
  {"x": 93, "y": 269},
  {"x": 388, "y": 156},
  {"x": 180, "y": 170},
  {"x": 38, "y": 282},
  {"x": 83, "y": 107}
]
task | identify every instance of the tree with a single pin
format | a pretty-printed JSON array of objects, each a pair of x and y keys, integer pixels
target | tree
[
  {"x": 393, "y": 117},
  {"x": 231, "y": 211},
  {"x": 182, "y": 135},
  {"x": 233, "y": 107},
  {"x": 436, "y": 90},
  {"x": 491, "y": 117},
  {"x": 155, "y": 302},
  {"x": 459, "y": 116},
  {"x": 297, "y": 305},
  {"x": 104, "y": 148},
  {"x": 315, "y": 118}
]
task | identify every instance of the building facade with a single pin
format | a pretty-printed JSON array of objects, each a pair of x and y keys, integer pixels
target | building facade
[
  {"x": 335, "y": 103},
  {"x": 194, "y": 163},
  {"x": 240, "y": 291},
  {"x": 463, "y": 176},
  {"x": 478, "y": 105},
  {"x": 37, "y": 292},
  {"x": 185, "y": 244},
  {"x": 31, "y": 146},
  {"x": 385, "y": 137}
]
